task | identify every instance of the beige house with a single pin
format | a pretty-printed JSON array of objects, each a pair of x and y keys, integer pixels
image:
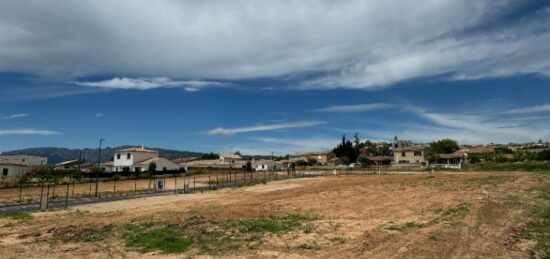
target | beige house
[
  {"x": 230, "y": 158},
  {"x": 322, "y": 158},
  {"x": 10, "y": 168},
  {"x": 413, "y": 155},
  {"x": 138, "y": 159}
]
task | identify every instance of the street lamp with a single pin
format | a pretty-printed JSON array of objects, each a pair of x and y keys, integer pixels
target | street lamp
[{"x": 98, "y": 168}]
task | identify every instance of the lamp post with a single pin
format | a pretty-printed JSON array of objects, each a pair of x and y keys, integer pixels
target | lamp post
[{"x": 98, "y": 168}]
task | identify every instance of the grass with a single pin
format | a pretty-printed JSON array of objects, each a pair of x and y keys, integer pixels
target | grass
[
  {"x": 532, "y": 166},
  {"x": 461, "y": 210},
  {"x": 164, "y": 239},
  {"x": 211, "y": 237},
  {"x": 538, "y": 229},
  {"x": 491, "y": 180},
  {"x": 23, "y": 217},
  {"x": 404, "y": 227},
  {"x": 77, "y": 234}
]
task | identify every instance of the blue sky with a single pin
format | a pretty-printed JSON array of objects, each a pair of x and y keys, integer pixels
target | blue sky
[{"x": 262, "y": 77}]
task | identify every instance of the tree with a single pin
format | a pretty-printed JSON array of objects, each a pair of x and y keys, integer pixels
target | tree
[
  {"x": 152, "y": 168},
  {"x": 543, "y": 155},
  {"x": 444, "y": 146},
  {"x": 248, "y": 167},
  {"x": 210, "y": 156},
  {"x": 346, "y": 149},
  {"x": 150, "y": 172}
]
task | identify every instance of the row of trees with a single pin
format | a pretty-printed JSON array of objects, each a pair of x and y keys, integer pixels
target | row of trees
[{"x": 349, "y": 150}]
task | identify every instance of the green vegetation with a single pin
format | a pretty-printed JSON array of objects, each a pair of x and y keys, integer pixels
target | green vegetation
[
  {"x": 77, "y": 234},
  {"x": 163, "y": 239},
  {"x": 444, "y": 146},
  {"x": 404, "y": 227},
  {"x": 212, "y": 237},
  {"x": 538, "y": 229},
  {"x": 23, "y": 217},
  {"x": 272, "y": 225},
  {"x": 210, "y": 156},
  {"x": 531, "y": 166},
  {"x": 461, "y": 210}
]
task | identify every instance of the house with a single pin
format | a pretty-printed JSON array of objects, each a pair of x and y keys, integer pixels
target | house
[
  {"x": 450, "y": 159},
  {"x": 138, "y": 159},
  {"x": 72, "y": 164},
  {"x": 183, "y": 160},
  {"x": 321, "y": 157},
  {"x": 411, "y": 155},
  {"x": 381, "y": 160},
  {"x": 32, "y": 162},
  {"x": 10, "y": 168},
  {"x": 215, "y": 164},
  {"x": 335, "y": 161},
  {"x": 266, "y": 165},
  {"x": 230, "y": 158}
]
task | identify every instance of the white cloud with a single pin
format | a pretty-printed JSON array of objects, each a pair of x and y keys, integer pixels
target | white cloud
[
  {"x": 533, "y": 109},
  {"x": 356, "y": 44},
  {"x": 284, "y": 146},
  {"x": 4, "y": 132},
  {"x": 357, "y": 107},
  {"x": 14, "y": 116},
  {"x": 147, "y": 83},
  {"x": 471, "y": 128},
  {"x": 265, "y": 127}
]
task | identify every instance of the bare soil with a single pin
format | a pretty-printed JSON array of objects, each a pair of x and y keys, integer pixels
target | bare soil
[{"x": 442, "y": 215}]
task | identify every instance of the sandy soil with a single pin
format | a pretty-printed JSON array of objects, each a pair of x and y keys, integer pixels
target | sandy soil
[{"x": 354, "y": 218}]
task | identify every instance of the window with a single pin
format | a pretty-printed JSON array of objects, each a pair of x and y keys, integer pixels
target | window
[
  {"x": 5, "y": 172},
  {"x": 417, "y": 153},
  {"x": 117, "y": 156},
  {"x": 164, "y": 169},
  {"x": 128, "y": 156},
  {"x": 403, "y": 154}
]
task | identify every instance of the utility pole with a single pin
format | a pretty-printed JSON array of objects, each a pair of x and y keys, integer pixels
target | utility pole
[{"x": 98, "y": 168}]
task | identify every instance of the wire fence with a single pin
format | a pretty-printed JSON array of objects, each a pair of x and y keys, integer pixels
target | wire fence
[{"x": 187, "y": 183}]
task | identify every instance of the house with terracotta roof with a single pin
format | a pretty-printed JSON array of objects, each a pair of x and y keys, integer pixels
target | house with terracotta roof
[
  {"x": 411, "y": 155},
  {"x": 11, "y": 168},
  {"x": 230, "y": 158},
  {"x": 138, "y": 159}
]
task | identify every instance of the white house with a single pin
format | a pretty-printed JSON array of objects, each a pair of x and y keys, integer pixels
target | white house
[
  {"x": 11, "y": 168},
  {"x": 138, "y": 159},
  {"x": 266, "y": 165},
  {"x": 32, "y": 162},
  {"x": 230, "y": 158}
]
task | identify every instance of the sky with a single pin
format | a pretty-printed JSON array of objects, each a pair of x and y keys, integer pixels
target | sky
[{"x": 263, "y": 77}]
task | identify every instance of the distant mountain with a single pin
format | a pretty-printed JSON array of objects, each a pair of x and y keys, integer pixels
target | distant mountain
[{"x": 57, "y": 155}]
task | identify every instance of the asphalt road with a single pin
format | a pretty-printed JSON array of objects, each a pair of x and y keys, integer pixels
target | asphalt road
[{"x": 55, "y": 204}]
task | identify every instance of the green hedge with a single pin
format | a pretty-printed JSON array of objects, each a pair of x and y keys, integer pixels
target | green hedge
[{"x": 517, "y": 166}]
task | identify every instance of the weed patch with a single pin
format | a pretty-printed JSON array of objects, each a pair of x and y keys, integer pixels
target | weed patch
[
  {"x": 78, "y": 234},
  {"x": 404, "y": 227},
  {"x": 212, "y": 237},
  {"x": 23, "y": 217}
]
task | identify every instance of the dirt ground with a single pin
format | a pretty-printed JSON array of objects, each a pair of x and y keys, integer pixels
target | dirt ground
[
  {"x": 442, "y": 215},
  {"x": 122, "y": 187}
]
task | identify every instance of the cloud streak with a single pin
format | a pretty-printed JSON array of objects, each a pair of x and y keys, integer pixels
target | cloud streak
[
  {"x": 357, "y": 107},
  {"x": 264, "y": 127},
  {"x": 6, "y": 132},
  {"x": 14, "y": 116},
  {"x": 533, "y": 109},
  {"x": 147, "y": 83}
]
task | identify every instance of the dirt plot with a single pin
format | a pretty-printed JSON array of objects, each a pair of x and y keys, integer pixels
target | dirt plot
[
  {"x": 470, "y": 215},
  {"x": 122, "y": 187}
]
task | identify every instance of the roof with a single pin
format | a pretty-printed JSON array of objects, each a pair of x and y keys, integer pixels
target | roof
[
  {"x": 185, "y": 159},
  {"x": 9, "y": 162},
  {"x": 380, "y": 158},
  {"x": 411, "y": 148},
  {"x": 450, "y": 156},
  {"x": 231, "y": 156},
  {"x": 137, "y": 149},
  {"x": 70, "y": 162},
  {"x": 479, "y": 150},
  {"x": 213, "y": 163}
]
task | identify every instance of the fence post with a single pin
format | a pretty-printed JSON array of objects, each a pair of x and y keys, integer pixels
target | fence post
[
  {"x": 20, "y": 192},
  {"x": 67, "y": 197},
  {"x": 176, "y": 184}
]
